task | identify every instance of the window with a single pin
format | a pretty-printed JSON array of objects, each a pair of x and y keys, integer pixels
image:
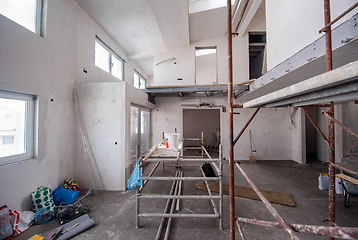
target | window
[
  {"x": 205, "y": 65},
  {"x": 139, "y": 81},
  {"x": 108, "y": 60},
  {"x": 26, "y": 13},
  {"x": 16, "y": 127}
]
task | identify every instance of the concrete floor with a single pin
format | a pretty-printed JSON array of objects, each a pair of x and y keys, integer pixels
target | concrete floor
[{"x": 114, "y": 212}]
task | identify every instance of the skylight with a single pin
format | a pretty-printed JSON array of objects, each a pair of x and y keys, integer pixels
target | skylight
[
  {"x": 207, "y": 51},
  {"x": 204, "y": 5}
]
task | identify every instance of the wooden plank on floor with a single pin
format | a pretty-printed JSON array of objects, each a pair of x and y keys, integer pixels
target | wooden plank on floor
[{"x": 246, "y": 192}]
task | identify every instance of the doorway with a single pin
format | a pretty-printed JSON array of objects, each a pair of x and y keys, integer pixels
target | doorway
[
  {"x": 311, "y": 135},
  {"x": 139, "y": 132},
  {"x": 196, "y": 121}
]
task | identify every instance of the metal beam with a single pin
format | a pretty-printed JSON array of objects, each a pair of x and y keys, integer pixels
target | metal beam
[
  {"x": 190, "y": 89},
  {"x": 337, "y": 80}
]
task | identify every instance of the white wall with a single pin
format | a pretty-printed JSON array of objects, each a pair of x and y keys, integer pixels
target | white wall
[
  {"x": 270, "y": 128},
  {"x": 167, "y": 73},
  {"x": 105, "y": 113},
  {"x": 48, "y": 68},
  {"x": 350, "y": 114},
  {"x": 292, "y": 25},
  {"x": 44, "y": 67},
  {"x": 113, "y": 165}
]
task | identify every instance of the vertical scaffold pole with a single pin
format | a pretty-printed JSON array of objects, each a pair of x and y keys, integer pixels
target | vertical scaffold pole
[
  {"x": 331, "y": 169},
  {"x": 230, "y": 113}
]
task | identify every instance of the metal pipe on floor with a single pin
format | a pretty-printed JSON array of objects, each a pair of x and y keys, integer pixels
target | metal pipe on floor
[
  {"x": 210, "y": 194},
  {"x": 246, "y": 125},
  {"x": 230, "y": 123},
  {"x": 315, "y": 125},
  {"x": 339, "y": 124},
  {"x": 178, "y": 215},
  {"x": 179, "y": 197},
  {"x": 182, "y": 178},
  {"x": 159, "y": 232},
  {"x": 336, "y": 232},
  {"x": 169, "y": 224},
  {"x": 182, "y": 160},
  {"x": 268, "y": 205},
  {"x": 325, "y": 28},
  {"x": 240, "y": 230}
]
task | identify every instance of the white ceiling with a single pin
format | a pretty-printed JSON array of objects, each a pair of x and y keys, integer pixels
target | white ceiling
[{"x": 143, "y": 27}]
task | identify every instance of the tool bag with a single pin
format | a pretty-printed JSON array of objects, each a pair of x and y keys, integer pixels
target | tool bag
[
  {"x": 42, "y": 198},
  {"x": 134, "y": 180}
]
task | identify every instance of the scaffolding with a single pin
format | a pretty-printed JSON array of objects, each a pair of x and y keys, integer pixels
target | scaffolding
[
  {"x": 160, "y": 154},
  {"x": 333, "y": 231}
]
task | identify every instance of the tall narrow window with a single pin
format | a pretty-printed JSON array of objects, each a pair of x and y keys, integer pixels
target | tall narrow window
[
  {"x": 139, "y": 81},
  {"x": 108, "y": 60},
  {"x": 102, "y": 57},
  {"x": 205, "y": 65},
  {"x": 26, "y": 13},
  {"x": 16, "y": 127}
]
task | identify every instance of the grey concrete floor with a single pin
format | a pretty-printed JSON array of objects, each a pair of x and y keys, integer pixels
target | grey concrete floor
[{"x": 114, "y": 212}]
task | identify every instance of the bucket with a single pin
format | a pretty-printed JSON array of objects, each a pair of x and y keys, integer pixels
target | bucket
[{"x": 172, "y": 141}]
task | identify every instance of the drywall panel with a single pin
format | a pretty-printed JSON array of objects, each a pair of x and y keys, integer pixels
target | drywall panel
[
  {"x": 292, "y": 25},
  {"x": 183, "y": 66},
  {"x": 298, "y": 133},
  {"x": 44, "y": 67},
  {"x": 102, "y": 107},
  {"x": 350, "y": 115},
  {"x": 271, "y": 132}
]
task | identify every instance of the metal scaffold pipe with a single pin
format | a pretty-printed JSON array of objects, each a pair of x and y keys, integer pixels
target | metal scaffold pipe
[{"x": 230, "y": 124}]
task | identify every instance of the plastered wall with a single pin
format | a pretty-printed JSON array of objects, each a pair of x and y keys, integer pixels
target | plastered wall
[
  {"x": 48, "y": 68},
  {"x": 167, "y": 73},
  {"x": 44, "y": 67},
  {"x": 292, "y": 25},
  {"x": 271, "y": 133}
]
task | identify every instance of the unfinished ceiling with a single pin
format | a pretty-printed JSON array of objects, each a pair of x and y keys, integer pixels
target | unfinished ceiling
[{"x": 144, "y": 27}]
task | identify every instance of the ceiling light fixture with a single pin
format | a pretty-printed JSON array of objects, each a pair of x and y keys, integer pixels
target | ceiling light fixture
[{"x": 166, "y": 60}]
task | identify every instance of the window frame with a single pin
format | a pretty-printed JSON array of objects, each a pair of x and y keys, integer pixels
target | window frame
[
  {"x": 30, "y": 127},
  {"x": 140, "y": 76},
  {"x": 112, "y": 54},
  {"x": 37, "y": 19}
]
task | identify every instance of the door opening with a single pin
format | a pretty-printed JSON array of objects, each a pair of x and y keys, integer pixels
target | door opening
[{"x": 198, "y": 121}]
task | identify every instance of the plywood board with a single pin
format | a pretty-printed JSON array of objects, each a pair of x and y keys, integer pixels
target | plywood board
[{"x": 245, "y": 192}]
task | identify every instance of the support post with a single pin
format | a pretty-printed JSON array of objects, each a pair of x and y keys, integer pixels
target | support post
[
  {"x": 315, "y": 125},
  {"x": 340, "y": 124},
  {"x": 230, "y": 117},
  {"x": 331, "y": 159},
  {"x": 246, "y": 125},
  {"x": 331, "y": 169}
]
